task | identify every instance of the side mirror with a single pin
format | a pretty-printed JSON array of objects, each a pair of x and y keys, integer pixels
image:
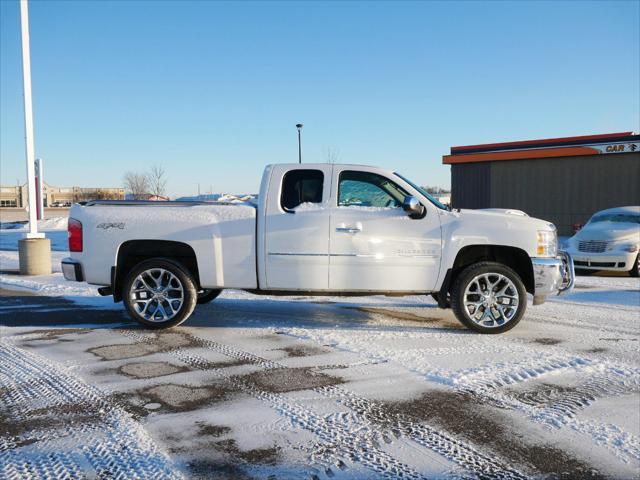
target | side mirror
[{"x": 412, "y": 206}]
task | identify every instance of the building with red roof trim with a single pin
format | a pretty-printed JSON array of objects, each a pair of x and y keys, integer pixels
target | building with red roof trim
[{"x": 564, "y": 180}]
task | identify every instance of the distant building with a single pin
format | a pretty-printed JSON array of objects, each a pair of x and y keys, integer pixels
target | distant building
[
  {"x": 16, "y": 196},
  {"x": 563, "y": 180},
  {"x": 11, "y": 196}
]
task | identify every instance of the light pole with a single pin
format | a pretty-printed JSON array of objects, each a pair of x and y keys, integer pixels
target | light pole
[
  {"x": 299, "y": 127},
  {"x": 28, "y": 121},
  {"x": 34, "y": 251}
]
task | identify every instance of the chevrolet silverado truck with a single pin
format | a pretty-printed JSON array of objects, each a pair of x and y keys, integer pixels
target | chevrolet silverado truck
[{"x": 317, "y": 229}]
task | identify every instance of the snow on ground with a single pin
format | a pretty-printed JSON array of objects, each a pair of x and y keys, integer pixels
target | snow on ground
[
  {"x": 44, "y": 225},
  {"x": 54, "y": 229},
  {"x": 111, "y": 440},
  {"x": 318, "y": 387}
]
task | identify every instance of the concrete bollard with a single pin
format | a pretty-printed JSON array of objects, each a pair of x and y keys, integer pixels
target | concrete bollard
[{"x": 34, "y": 256}]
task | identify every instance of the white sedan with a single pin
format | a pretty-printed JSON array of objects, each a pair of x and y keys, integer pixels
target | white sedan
[{"x": 610, "y": 241}]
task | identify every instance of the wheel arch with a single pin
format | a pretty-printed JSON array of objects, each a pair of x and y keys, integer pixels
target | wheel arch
[
  {"x": 132, "y": 252},
  {"x": 513, "y": 257}
]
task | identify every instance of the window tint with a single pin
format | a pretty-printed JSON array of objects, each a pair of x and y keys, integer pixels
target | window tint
[
  {"x": 301, "y": 186},
  {"x": 364, "y": 189}
]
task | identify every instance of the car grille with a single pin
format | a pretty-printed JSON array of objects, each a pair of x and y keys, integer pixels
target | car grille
[
  {"x": 592, "y": 246},
  {"x": 603, "y": 264}
]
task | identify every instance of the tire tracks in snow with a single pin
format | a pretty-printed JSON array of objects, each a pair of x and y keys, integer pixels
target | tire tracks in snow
[
  {"x": 558, "y": 406},
  {"x": 353, "y": 444},
  {"x": 341, "y": 439},
  {"x": 583, "y": 324},
  {"x": 487, "y": 383},
  {"x": 113, "y": 444}
]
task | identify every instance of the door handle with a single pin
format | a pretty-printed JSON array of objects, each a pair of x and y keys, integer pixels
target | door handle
[{"x": 348, "y": 229}]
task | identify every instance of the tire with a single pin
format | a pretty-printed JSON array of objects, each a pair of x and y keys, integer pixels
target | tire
[
  {"x": 635, "y": 271},
  {"x": 166, "y": 282},
  {"x": 478, "y": 277},
  {"x": 206, "y": 295}
]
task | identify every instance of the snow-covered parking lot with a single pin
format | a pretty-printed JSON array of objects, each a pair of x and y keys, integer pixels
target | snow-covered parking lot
[{"x": 316, "y": 388}]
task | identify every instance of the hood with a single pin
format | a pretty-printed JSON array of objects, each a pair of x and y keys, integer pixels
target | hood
[
  {"x": 509, "y": 211},
  {"x": 510, "y": 217},
  {"x": 609, "y": 231}
]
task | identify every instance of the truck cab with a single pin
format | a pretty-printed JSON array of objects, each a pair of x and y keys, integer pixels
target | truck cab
[{"x": 343, "y": 228}]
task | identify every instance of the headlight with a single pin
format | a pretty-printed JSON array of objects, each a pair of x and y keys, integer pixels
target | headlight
[
  {"x": 547, "y": 243},
  {"x": 624, "y": 246}
]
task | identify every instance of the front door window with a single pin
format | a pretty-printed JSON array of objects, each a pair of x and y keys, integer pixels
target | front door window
[{"x": 365, "y": 189}]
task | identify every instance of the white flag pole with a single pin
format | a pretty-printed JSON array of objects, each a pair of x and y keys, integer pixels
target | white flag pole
[{"x": 28, "y": 122}]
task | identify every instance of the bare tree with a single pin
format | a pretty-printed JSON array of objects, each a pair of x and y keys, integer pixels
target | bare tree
[
  {"x": 331, "y": 154},
  {"x": 104, "y": 194},
  {"x": 88, "y": 194},
  {"x": 157, "y": 181},
  {"x": 137, "y": 184}
]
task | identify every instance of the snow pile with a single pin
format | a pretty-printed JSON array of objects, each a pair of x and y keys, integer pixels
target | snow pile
[
  {"x": 55, "y": 229},
  {"x": 46, "y": 225},
  {"x": 309, "y": 207},
  {"x": 230, "y": 198},
  {"x": 251, "y": 199}
]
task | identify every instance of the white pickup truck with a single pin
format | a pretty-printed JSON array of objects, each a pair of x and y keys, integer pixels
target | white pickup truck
[{"x": 318, "y": 229}]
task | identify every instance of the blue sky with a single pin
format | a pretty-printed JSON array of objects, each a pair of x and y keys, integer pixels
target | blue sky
[{"x": 212, "y": 90}]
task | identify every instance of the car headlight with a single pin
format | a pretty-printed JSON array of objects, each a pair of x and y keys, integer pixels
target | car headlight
[
  {"x": 547, "y": 243},
  {"x": 624, "y": 246}
]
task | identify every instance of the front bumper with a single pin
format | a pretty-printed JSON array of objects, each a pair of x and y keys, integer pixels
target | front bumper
[
  {"x": 552, "y": 276},
  {"x": 614, "y": 261},
  {"x": 72, "y": 270}
]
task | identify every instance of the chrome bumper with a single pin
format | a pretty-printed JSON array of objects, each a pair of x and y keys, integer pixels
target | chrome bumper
[
  {"x": 552, "y": 276},
  {"x": 72, "y": 270}
]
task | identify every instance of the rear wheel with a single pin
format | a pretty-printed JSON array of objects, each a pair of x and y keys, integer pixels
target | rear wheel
[
  {"x": 635, "y": 271},
  {"x": 207, "y": 295},
  {"x": 489, "y": 297},
  {"x": 159, "y": 293}
]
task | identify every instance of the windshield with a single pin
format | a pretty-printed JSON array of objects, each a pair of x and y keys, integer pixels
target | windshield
[
  {"x": 616, "y": 217},
  {"x": 423, "y": 192}
]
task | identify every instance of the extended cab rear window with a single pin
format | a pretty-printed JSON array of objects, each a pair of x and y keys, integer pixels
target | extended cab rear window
[{"x": 301, "y": 186}]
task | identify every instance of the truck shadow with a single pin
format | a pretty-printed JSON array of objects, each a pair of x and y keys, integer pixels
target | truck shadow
[
  {"x": 28, "y": 309},
  {"x": 311, "y": 314}
]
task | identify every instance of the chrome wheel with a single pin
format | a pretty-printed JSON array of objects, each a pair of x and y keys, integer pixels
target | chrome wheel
[
  {"x": 157, "y": 295},
  {"x": 491, "y": 300}
]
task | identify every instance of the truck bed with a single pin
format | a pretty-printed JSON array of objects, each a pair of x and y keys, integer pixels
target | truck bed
[{"x": 221, "y": 235}]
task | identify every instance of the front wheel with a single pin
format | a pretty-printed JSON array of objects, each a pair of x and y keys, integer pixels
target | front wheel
[
  {"x": 488, "y": 297},
  {"x": 159, "y": 293}
]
